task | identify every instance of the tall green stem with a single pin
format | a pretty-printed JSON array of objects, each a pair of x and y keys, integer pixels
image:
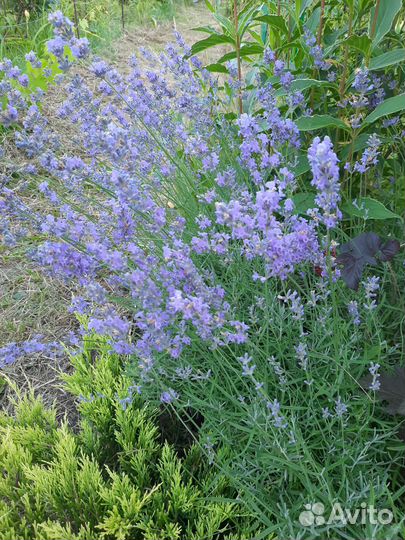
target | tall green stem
[
  {"x": 374, "y": 23},
  {"x": 76, "y": 18},
  {"x": 321, "y": 22},
  {"x": 319, "y": 41},
  {"x": 235, "y": 14},
  {"x": 346, "y": 56}
]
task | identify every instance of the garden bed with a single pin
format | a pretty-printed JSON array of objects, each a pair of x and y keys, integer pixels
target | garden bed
[{"x": 209, "y": 238}]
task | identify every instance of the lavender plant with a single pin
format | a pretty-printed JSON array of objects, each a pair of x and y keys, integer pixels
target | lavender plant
[{"x": 181, "y": 227}]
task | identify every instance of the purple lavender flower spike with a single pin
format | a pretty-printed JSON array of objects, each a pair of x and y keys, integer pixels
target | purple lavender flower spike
[{"x": 325, "y": 171}]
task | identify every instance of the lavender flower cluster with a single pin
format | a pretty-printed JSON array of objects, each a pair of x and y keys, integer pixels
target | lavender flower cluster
[
  {"x": 324, "y": 163},
  {"x": 64, "y": 37},
  {"x": 11, "y": 92},
  {"x": 145, "y": 143},
  {"x": 12, "y": 352},
  {"x": 369, "y": 91},
  {"x": 316, "y": 52}
]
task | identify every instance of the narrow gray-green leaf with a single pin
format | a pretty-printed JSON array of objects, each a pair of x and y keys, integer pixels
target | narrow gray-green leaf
[
  {"x": 303, "y": 202},
  {"x": 302, "y": 165},
  {"x": 360, "y": 43}
]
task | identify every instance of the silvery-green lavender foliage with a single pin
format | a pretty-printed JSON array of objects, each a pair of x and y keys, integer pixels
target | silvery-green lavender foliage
[
  {"x": 136, "y": 135},
  {"x": 181, "y": 230}
]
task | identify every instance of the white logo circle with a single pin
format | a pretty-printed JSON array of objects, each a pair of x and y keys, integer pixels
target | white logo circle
[{"x": 313, "y": 514}]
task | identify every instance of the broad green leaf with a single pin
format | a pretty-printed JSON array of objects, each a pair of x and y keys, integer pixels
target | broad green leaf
[
  {"x": 302, "y": 84},
  {"x": 246, "y": 50},
  {"x": 364, "y": 6},
  {"x": 246, "y": 17},
  {"x": 250, "y": 78},
  {"x": 231, "y": 116},
  {"x": 368, "y": 208},
  {"x": 331, "y": 39},
  {"x": 210, "y": 6},
  {"x": 264, "y": 29},
  {"x": 389, "y": 106},
  {"x": 313, "y": 21},
  {"x": 226, "y": 25},
  {"x": 303, "y": 202},
  {"x": 256, "y": 36},
  {"x": 389, "y": 58},
  {"x": 304, "y": 4},
  {"x": 302, "y": 165},
  {"x": 274, "y": 20},
  {"x": 205, "y": 29},
  {"x": 217, "y": 68},
  {"x": 387, "y": 11},
  {"x": 309, "y": 123},
  {"x": 360, "y": 43},
  {"x": 212, "y": 41},
  {"x": 293, "y": 44}
]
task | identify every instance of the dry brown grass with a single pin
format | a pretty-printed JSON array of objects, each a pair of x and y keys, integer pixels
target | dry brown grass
[{"x": 155, "y": 38}]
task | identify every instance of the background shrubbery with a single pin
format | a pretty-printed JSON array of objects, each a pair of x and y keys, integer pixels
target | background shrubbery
[{"x": 24, "y": 24}]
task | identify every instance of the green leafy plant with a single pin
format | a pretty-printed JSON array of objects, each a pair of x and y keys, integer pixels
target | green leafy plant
[{"x": 347, "y": 37}]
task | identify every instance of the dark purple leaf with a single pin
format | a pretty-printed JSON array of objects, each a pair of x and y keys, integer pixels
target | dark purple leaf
[
  {"x": 389, "y": 250},
  {"x": 365, "y": 245},
  {"x": 367, "y": 248},
  {"x": 352, "y": 269},
  {"x": 354, "y": 255},
  {"x": 392, "y": 390}
]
